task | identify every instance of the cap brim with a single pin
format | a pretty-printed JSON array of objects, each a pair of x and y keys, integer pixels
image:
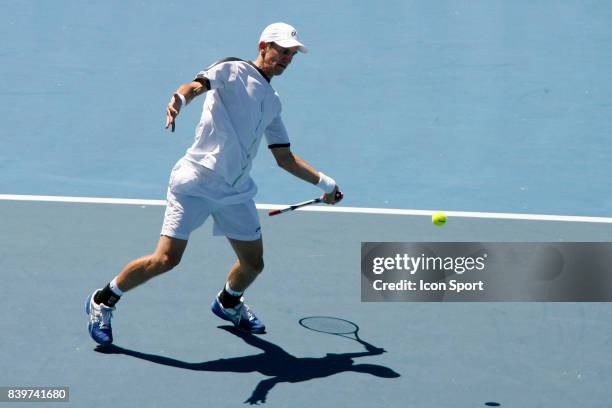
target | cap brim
[{"x": 292, "y": 43}]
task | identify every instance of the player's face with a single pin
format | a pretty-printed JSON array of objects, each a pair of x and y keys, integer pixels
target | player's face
[{"x": 276, "y": 58}]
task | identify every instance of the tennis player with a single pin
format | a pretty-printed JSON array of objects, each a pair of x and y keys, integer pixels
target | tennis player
[{"x": 212, "y": 178}]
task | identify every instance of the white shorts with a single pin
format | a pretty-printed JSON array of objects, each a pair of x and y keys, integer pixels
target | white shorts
[
  {"x": 195, "y": 192},
  {"x": 185, "y": 213}
]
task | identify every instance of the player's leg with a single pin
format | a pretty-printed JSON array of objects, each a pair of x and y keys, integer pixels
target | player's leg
[
  {"x": 101, "y": 304},
  {"x": 240, "y": 224},
  {"x": 229, "y": 304},
  {"x": 183, "y": 215},
  {"x": 248, "y": 265},
  {"x": 167, "y": 255}
]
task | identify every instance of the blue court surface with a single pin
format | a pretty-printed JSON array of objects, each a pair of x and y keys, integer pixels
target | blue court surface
[{"x": 496, "y": 112}]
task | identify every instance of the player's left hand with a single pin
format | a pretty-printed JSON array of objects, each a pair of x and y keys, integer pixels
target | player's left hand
[{"x": 334, "y": 197}]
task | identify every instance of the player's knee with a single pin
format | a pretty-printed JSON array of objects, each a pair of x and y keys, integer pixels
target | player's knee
[
  {"x": 256, "y": 265},
  {"x": 168, "y": 261},
  {"x": 260, "y": 265}
]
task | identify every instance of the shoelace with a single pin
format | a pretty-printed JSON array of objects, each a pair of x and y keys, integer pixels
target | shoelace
[
  {"x": 249, "y": 313},
  {"x": 241, "y": 311},
  {"x": 103, "y": 316}
]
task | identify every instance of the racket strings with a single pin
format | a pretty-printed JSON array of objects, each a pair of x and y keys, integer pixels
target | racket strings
[{"x": 331, "y": 325}]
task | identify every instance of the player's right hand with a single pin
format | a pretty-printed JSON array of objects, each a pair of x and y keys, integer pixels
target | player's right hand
[{"x": 172, "y": 111}]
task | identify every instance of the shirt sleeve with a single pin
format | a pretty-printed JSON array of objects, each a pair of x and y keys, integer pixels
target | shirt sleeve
[
  {"x": 219, "y": 75},
  {"x": 276, "y": 134}
]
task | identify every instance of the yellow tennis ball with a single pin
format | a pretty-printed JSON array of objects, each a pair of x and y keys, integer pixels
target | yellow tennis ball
[{"x": 438, "y": 219}]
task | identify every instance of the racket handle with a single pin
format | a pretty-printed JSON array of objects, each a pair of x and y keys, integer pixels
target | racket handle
[{"x": 275, "y": 212}]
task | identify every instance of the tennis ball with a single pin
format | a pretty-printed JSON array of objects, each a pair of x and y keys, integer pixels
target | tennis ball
[{"x": 438, "y": 219}]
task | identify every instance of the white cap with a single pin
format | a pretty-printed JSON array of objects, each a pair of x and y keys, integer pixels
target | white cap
[{"x": 282, "y": 34}]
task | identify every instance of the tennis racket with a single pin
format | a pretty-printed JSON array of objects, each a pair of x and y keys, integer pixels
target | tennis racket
[{"x": 339, "y": 197}]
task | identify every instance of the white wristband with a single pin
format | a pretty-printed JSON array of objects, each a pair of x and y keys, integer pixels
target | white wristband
[
  {"x": 326, "y": 183},
  {"x": 182, "y": 98}
]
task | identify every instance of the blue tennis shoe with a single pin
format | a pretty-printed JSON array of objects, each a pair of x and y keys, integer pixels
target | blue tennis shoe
[
  {"x": 99, "y": 320},
  {"x": 241, "y": 316}
]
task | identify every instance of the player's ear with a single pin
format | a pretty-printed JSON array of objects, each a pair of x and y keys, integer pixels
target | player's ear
[{"x": 262, "y": 47}]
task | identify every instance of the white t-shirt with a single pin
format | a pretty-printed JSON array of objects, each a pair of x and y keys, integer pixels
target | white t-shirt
[{"x": 238, "y": 110}]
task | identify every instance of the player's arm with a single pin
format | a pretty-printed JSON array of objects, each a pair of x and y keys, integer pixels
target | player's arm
[
  {"x": 300, "y": 169},
  {"x": 183, "y": 95}
]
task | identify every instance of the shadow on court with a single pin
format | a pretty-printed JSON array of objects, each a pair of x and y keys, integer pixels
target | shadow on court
[{"x": 274, "y": 362}]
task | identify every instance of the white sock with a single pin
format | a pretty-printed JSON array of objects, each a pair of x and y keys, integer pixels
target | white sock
[
  {"x": 232, "y": 291},
  {"x": 115, "y": 288}
]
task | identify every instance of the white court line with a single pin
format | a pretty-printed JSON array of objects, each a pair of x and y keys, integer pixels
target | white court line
[
  {"x": 326, "y": 208},
  {"x": 83, "y": 200}
]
